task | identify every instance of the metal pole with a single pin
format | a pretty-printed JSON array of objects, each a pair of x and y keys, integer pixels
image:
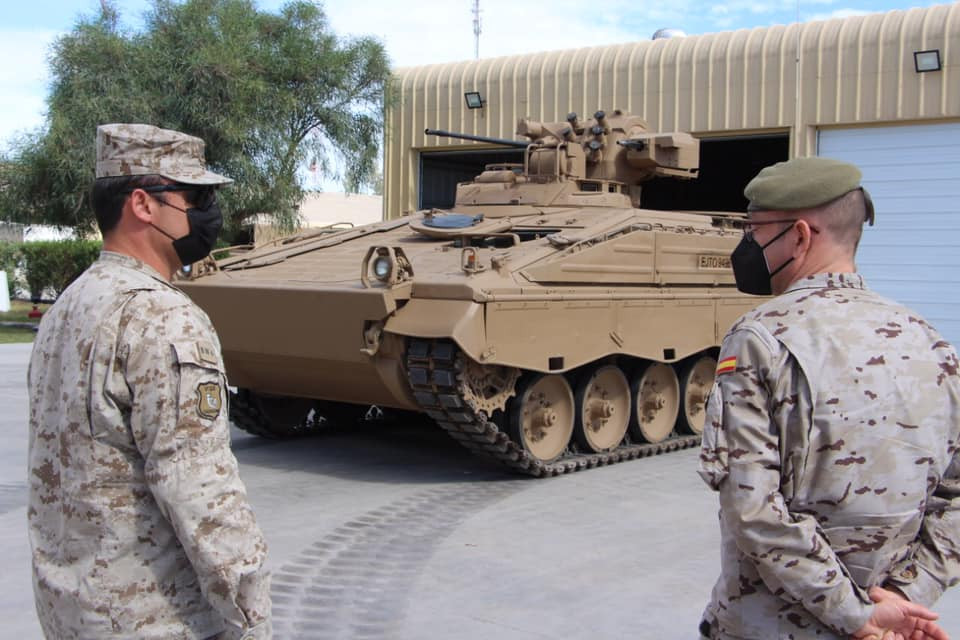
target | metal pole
[
  {"x": 797, "y": 88},
  {"x": 476, "y": 29}
]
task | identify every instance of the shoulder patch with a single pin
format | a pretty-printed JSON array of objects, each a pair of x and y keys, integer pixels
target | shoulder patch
[
  {"x": 206, "y": 353},
  {"x": 209, "y": 400},
  {"x": 727, "y": 365}
]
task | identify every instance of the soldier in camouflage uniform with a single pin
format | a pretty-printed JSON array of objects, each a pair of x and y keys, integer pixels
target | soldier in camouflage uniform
[
  {"x": 139, "y": 523},
  {"x": 832, "y": 432}
]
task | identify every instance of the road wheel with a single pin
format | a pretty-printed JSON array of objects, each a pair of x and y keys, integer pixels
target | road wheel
[
  {"x": 655, "y": 395},
  {"x": 603, "y": 408},
  {"x": 696, "y": 380},
  {"x": 541, "y": 416}
]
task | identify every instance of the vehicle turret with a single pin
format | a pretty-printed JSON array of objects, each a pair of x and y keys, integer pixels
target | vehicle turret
[
  {"x": 517, "y": 144},
  {"x": 598, "y": 162}
]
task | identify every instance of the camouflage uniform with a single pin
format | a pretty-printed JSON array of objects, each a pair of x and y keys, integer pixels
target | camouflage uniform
[
  {"x": 139, "y": 523},
  {"x": 142, "y": 149},
  {"x": 832, "y": 439}
]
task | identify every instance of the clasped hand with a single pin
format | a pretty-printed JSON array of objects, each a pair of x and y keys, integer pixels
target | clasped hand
[{"x": 896, "y": 618}]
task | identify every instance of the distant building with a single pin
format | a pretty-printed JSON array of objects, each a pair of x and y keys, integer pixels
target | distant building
[
  {"x": 11, "y": 232},
  {"x": 321, "y": 209},
  {"x": 16, "y": 232},
  {"x": 38, "y": 232},
  {"x": 324, "y": 208}
]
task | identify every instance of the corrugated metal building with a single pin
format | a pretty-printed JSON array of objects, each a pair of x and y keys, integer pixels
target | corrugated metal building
[{"x": 857, "y": 91}]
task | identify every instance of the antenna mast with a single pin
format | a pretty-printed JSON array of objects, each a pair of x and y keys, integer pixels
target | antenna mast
[{"x": 476, "y": 29}]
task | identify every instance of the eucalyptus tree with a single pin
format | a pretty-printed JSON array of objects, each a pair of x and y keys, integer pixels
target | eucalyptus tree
[{"x": 269, "y": 93}]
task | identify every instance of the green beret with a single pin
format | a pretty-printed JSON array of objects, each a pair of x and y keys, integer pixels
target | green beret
[{"x": 803, "y": 183}]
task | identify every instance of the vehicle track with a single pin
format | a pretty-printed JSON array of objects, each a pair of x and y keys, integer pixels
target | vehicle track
[
  {"x": 433, "y": 371},
  {"x": 355, "y": 582}
]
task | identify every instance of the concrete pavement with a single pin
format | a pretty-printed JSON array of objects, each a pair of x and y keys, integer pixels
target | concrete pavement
[{"x": 393, "y": 531}]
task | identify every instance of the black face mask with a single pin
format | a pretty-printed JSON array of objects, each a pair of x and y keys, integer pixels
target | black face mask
[
  {"x": 750, "y": 266},
  {"x": 204, "y": 224}
]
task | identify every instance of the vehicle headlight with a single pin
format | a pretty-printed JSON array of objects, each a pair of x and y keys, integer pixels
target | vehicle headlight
[{"x": 382, "y": 268}]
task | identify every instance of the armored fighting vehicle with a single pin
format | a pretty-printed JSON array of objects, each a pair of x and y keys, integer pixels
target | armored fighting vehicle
[{"x": 545, "y": 320}]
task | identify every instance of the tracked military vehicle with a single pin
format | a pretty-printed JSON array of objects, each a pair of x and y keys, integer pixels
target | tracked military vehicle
[{"x": 545, "y": 321}]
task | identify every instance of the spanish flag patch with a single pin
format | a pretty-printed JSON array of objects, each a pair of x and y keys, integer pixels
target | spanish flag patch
[{"x": 727, "y": 365}]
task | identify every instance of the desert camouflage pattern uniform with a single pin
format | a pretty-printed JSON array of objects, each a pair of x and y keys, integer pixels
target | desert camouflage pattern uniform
[
  {"x": 833, "y": 445},
  {"x": 138, "y": 521}
]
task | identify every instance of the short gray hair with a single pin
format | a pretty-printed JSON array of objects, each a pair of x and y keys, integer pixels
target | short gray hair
[{"x": 843, "y": 218}]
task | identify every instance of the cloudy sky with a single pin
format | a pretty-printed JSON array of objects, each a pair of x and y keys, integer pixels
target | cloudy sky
[{"x": 424, "y": 32}]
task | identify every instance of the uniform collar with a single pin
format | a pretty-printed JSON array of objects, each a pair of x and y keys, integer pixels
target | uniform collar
[
  {"x": 130, "y": 262},
  {"x": 829, "y": 281}
]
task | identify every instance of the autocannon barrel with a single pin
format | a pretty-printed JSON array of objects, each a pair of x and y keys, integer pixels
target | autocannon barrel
[{"x": 516, "y": 144}]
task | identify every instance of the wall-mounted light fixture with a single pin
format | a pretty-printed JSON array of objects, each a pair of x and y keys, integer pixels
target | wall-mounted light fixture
[
  {"x": 474, "y": 101},
  {"x": 926, "y": 60}
]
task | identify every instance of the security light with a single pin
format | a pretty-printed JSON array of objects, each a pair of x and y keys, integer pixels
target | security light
[
  {"x": 474, "y": 101},
  {"x": 926, "y": 60}
]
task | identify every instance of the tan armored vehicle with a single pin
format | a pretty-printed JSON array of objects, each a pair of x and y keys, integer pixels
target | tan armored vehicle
[{"x": 544, "y": 321}]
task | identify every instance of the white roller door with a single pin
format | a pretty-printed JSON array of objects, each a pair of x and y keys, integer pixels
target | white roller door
[{"x": 912, "y": 254}]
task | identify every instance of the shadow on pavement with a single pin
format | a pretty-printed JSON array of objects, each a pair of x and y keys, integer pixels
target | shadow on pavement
[{"x": 410, "y": 450}]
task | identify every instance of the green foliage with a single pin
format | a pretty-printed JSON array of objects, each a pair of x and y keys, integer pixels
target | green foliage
[
  {"x": 50, "y": 266},
  {"x": 267, "y": 92},
  {"x": 10, "y": 264}
]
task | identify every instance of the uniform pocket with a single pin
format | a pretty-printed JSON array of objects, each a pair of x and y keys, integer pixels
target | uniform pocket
[
  {"x": 202, "y": 422},
  {"x": 714, "y": 462}
]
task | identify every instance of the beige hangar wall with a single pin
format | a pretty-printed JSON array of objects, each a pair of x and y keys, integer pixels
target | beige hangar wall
[{"x": 857, "y": 71}]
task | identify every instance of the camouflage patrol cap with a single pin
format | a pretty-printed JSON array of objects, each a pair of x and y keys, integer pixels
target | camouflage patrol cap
[
  {"x": 804, "y": 183},
  {"x": 142, "y": 149}
]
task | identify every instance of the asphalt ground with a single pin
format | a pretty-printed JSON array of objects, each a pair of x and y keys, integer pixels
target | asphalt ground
[{"x": 393, "y": 531}]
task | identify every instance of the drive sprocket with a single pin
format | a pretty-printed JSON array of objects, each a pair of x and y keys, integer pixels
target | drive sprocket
[{"x": 487, "y": 387}]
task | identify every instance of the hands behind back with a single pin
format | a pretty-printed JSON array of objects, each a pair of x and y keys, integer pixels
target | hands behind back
[{"x": 896, "y": 618}]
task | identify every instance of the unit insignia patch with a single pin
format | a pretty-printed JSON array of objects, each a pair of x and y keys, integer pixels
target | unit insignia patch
[{"x": 208, "y": 400}]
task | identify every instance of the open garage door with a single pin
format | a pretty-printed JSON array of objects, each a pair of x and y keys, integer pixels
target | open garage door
[
  {"x": 727, "y": 164},
  {"x": 440, "y": 171},
  {"x": 912, "y": 254}
]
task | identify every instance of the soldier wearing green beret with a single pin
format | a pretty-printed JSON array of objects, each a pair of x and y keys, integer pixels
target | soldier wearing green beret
[
  {"x": 832, "y": 431},
  {"x": 139, "y": 523}
]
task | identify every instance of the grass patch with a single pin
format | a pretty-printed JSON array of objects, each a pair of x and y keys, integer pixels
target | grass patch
[
  {"x": 19, "y": 312},
  {"x": 11, "y": 335}
]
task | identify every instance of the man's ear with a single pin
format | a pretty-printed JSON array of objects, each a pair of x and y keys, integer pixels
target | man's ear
[
  {"x": 804, "y": 238},
  {"x": 138, "y": 204}
]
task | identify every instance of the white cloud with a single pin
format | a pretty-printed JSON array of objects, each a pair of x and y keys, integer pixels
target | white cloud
[
  {"x": 443, "y": 32},
  {"x": 23, "y": 80},
  {"x": 731, "y": 9},
  {"x": 838, "y": 13}
]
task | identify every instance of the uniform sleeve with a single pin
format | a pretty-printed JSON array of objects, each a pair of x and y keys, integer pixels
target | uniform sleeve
[
  {"x": 741, "y": 459},
  {"x": 180, "y": 425},
  {"x": 935, "y": 563}
]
